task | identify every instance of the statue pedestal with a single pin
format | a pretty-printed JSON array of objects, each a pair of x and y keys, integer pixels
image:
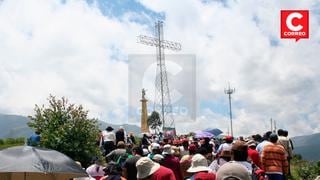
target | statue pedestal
[{"x": 144, "y": 116}]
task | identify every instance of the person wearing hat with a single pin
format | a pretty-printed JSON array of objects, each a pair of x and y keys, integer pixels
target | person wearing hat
[
  {"x": 158, "y": 158},
  {"x": 233, "y": 170},
  {"x": 274, "y": 160},
  {"x": 185, "y": 161},
  {"x": 147, "y": 169},
  {"x": 109, "y": 140},
  {"x": 154, "y": 148},
  {"x": 199, "y": 168},
  {"x": 225, "y": 146},
  {"x": 240, "y": 155},
  {"x": 253, "y": 154},
  {"x": 225, "y": 156},
  {"x": 171, "y": 162}
]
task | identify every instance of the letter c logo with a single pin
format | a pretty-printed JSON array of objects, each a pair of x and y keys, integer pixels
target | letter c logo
[{"x": 289, "y": 21}]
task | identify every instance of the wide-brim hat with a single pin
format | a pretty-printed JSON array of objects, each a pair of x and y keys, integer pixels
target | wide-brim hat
[
  {"x": 198, "y": 163},
  {"x": 146, "y": 167},
  {"x": 109, "y": 128}
]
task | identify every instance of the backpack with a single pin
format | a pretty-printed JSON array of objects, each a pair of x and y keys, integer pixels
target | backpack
[
  {"x": 258, "y": 174},
  {"x": 122, "y": 159}
]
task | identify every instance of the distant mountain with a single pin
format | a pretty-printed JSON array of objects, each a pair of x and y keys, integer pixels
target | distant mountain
[
  {"x": 13, "y": 126},
  {"x": 308, "y": 146}
]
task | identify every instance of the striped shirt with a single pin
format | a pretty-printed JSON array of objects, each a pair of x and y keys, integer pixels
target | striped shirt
[{"x": 274, "y": 160}]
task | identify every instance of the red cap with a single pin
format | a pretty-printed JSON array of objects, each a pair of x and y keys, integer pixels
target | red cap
[
  {"x": 192, "y": 147},
  {"x": 229, "y": 138}
]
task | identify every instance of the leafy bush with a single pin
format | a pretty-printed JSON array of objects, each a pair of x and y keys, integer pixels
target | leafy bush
[{"x": 66, "y": 128}]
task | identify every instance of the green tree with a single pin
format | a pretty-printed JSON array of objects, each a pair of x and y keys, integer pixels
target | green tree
[
  {"x": 154, "y": 121},
  {"x": 66, "y": 128}
]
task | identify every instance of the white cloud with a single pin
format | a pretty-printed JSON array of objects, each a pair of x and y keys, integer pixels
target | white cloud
[{"x": 73, "y": 50}]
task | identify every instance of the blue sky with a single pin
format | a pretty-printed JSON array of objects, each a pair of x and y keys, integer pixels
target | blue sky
[{"x": 80, "y": 49}]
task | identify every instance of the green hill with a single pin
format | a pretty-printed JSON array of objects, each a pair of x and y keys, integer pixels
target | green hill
[
  {"x": 308, "y": 146},
  {"x": 13, "y": 126}
]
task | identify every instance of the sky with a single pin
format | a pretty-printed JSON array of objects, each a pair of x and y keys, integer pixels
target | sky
[{"x": 79, "y": 49}]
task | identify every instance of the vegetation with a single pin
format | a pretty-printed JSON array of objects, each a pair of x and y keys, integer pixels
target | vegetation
[
  {"x": 66, "y": 128},
  {"x": 154, "y": 121},
  {"x": 10, "y": 142},
  {"x": 302, "y": 169}
]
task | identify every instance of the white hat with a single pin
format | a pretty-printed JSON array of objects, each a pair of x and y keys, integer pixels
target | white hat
[
  {"x": 145, "y": 151},
  {"x": 199, "y": 163},
  {"x": 153, "y": 146},
  {"x": 157, "y": 157},
  {"x": 232, "y": 170},
  {"x": 146, "y": 167},
  {"x": 167, "y": 149}
]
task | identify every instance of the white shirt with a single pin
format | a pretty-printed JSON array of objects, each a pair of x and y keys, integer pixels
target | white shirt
[{"x": 109, "y": 136}]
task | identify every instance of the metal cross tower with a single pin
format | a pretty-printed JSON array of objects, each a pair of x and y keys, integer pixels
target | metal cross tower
[
  {"x": 162, "y": 102},
  {"x": 229, "y": 92}
]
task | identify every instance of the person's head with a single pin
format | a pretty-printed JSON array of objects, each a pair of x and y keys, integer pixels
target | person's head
[
  {"x": 233, "y": 171},
  {"x": 155, "y": 148},
  {"x": 240, "y": 138},
  {"x": 158, "y": 158},
  {"x": 280, "y": 132},
  {"x": 109, "y": 129},
  {"x": 203, "y": 151},
  {"x": 176, "y": 151},
  {"x": 146, "y": 167},
  {"x": 137, "y": 151},
  {"x": 167, "y": 150},
  {"x": 267, "y": 135},
  {"x": 37, "y": 132},
  {"x": 229, "y": 139},
  {"x": 240, "y": 151},
  {"x": 285, "y": 133},
  {"x": 192, "y": 149},
  {"x": 251, "y": 144},
  {"x": 121, "y": 145},
  {"x": 226, "y": 155},
  {"x": 121, "y": 128},
  {"x": 198, "y": 164},
  {"x": 273, "y": 138},
  {"x": 185, "y": 143},
  {"x": 257, "y": 138}
]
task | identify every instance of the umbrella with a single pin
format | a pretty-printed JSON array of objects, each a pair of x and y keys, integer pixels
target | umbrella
[
  {"x": 203, "y": 134},
  {"x": 35, "y": 163},
  {"x": 214, "y": 131}
]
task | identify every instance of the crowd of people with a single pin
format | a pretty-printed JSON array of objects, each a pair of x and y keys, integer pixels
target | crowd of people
[{"x": 186, "y": 157}]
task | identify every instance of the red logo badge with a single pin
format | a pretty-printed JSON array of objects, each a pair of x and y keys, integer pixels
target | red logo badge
[{"x": 294, "y": 24}]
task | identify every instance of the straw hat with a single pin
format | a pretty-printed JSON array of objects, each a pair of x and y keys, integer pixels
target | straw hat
[
  {"x": 199, "y": 163},
  {"x": 146, "y": 167}
]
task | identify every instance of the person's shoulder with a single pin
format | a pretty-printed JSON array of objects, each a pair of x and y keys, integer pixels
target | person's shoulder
[{"x": 164, "y": 170}]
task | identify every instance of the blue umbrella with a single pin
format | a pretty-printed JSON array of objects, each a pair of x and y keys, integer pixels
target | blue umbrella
[
  {"x": 214, "y": 131},
  {"x": 203, "y": 134}
]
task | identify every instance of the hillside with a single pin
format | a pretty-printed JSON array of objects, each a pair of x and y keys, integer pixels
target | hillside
[
  {"x": 308, "y": 146},
  {"x": 12, "y": 126}
]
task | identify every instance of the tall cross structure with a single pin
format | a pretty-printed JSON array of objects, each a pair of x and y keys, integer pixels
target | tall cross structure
[{"x": 162, "y": 102}]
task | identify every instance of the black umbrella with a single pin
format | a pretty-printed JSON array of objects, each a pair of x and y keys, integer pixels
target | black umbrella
[{"x": 34, "y": 163}]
